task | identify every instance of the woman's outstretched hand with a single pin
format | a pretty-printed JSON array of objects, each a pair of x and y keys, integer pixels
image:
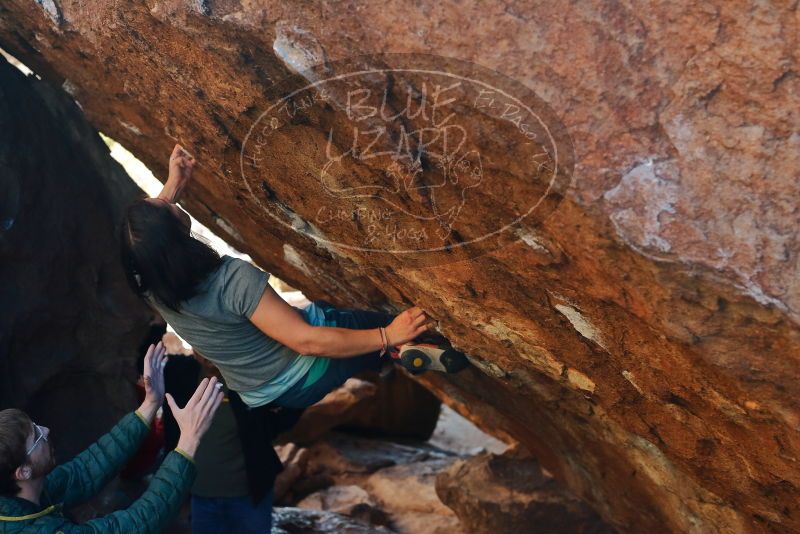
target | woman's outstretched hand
[
  {"x": 408, "y": 325},
  {"x": 195, "y": 418}
]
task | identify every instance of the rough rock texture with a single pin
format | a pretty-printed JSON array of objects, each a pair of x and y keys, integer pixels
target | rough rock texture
[
  {"x": 69, "y": 325},
  {"x": 300, "y": 521},
  {"x": 644, "y": 339},
  {"x": 352, "y": 501},
  {"x": 338, "y": 407},
  {"x": 494, "y": 494},
  {"x": 408, "y": 492},
  {"x": 401, "y": 408},
  {"x": 379, "y": 483},
  {"x": 395, "y": 406}
]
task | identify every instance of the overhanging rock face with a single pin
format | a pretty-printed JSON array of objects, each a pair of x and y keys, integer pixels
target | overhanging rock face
[
  {"x": 639, "y": 332},
  {"x": 70, "y": 327}
]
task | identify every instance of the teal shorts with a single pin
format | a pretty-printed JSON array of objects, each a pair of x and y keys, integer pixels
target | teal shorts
[{"x": 328, "y": 374}]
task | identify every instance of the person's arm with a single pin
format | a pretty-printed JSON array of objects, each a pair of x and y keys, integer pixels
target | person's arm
[
  {"x": 247, "y": 293},
  {"x": 157, "y": 506},
  {"x": 82, "y": 477},
  {"x": 284, "y": 323},
  {"x": 181, "y": 164}
]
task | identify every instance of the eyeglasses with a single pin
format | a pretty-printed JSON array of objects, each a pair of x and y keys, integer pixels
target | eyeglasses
[{"x": 39, "y": 434}]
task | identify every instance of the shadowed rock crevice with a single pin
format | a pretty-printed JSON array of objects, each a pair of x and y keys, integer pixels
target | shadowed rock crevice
[{"x": 69, "y": 325}]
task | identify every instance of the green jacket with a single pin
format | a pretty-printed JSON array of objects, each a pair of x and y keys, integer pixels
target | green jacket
[{"x": 79, "y": 480}]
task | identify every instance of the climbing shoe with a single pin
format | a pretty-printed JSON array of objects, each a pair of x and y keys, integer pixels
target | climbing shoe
[{"x": 420, "y": 357}]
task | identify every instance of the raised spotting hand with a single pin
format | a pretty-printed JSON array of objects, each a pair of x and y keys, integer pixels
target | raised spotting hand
[{"x": 195, "y": 418}]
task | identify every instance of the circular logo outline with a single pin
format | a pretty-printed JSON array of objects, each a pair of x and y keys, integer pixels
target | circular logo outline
[{"x": 309, "y": 75}]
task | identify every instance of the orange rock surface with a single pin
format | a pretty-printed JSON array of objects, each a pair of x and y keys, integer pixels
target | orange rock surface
[{"x": 642, "y": 339}]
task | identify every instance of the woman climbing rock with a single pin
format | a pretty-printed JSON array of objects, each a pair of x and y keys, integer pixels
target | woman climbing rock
[{"x": 268, "y": 351}]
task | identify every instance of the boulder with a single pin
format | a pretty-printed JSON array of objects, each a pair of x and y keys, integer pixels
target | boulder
[
  {"x": 70, "y": 327},
  {"x": 294, "y": 460},
  {"x": 377, "y": 482},
  {"x": 638, "y": 329},
  {"x": 336, "y": 408},
  {"x": 299, "y": 521},
  {"x": 409, "y": 487},
  {"x": 350, "y": 500},
  {"x": 346, "y": 457},
  {"x": 390, "y": 406},
  {"x": 407, "y": 492},
  {"x": 401, "y": 408},
  {"x": 498, "y": 494},
  {"x": 339, "y": 499}
]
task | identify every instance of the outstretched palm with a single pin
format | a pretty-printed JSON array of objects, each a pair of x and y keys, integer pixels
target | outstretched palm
[{"x": 154, "y": 362}]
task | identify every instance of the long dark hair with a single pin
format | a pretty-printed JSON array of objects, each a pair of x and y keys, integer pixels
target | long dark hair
[{"x": 160, "y": 255}]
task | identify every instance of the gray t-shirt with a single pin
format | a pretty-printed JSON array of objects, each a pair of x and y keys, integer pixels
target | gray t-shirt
[{"x": 216, "y": 322}]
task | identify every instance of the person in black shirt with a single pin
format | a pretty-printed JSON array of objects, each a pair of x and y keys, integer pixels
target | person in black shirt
[{"x": 236, "y": 463}]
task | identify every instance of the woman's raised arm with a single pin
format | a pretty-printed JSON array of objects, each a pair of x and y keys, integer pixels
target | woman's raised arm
[{"x": 181, "y": 164}]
